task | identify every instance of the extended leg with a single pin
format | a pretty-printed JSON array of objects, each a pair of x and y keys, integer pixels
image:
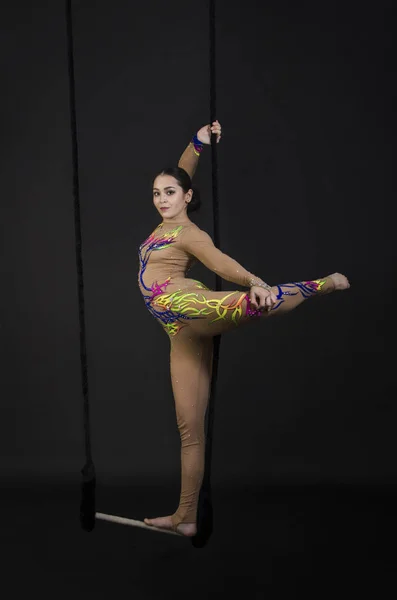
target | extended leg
[{"x": 210, "y": 313}]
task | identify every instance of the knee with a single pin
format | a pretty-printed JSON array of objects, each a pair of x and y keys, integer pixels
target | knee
[{"x": 191, "y": 430}]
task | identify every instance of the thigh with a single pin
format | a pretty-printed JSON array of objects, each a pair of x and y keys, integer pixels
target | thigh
[
  {"x": 191, "y": 372},
  {"x": 204, "y": 312}
]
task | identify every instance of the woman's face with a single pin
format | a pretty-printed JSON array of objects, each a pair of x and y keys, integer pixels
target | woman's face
[{"x": 169, "y": 198}]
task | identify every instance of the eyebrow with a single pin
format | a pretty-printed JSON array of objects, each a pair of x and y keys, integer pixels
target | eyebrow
[{"x": 166, "y": 188}]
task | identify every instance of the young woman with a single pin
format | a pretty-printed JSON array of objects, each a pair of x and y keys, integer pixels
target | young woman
[{"x": 191, "y": 314}]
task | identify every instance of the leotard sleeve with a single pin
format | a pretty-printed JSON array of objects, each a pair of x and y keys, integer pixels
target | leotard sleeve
[{"x": 199, "y": 244}]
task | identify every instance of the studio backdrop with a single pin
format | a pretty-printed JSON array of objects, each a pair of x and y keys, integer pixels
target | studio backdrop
[{"x": 304, "y": 171}]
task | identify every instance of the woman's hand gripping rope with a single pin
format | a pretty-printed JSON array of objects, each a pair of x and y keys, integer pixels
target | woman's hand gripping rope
[{"x": 204, "y": 134}]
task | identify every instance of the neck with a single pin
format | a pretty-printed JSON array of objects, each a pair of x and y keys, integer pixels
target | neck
[{"x": 177, "y": 220}]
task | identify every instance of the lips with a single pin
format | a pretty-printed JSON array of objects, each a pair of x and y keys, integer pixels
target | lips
[{"x": 164, "y": 208}]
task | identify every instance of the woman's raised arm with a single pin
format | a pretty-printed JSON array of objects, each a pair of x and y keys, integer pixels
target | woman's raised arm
[{"x": 190, "y": 156}]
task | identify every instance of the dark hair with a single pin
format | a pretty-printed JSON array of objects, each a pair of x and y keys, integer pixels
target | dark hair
[{"x": 185, "y": 182}]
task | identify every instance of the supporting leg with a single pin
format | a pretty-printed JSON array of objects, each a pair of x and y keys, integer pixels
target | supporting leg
[
  {"x": 191, "y": 371},
  {"x": 191, "y": 367}
]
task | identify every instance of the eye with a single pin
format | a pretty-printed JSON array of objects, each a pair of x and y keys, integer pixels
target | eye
[{"x": 170, "y": 192}]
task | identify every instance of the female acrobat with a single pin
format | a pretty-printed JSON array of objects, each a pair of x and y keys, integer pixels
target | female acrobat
[{"x": 191, "y": 314}]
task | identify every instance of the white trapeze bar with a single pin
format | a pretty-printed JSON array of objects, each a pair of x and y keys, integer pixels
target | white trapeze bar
[{"x": 133, "y": 523}]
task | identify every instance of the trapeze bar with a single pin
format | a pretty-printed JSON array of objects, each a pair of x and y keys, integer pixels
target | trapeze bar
[{"x": 133, "y": 523}]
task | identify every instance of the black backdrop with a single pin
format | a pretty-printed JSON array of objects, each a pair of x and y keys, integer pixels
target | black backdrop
[{"x": 305, "y": 101}]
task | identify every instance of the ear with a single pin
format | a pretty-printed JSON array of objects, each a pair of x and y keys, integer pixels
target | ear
[{"x": 189, "y": 195}]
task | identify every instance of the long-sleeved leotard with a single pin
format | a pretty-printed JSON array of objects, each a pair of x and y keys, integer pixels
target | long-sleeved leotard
[
  {"x": 176, "y": 301},
  {"x": 191, "y": 314}
]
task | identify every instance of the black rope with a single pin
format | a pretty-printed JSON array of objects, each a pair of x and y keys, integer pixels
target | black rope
[
  {"x": 87, "y": 506},
  {"x": 205, "y": 510}
]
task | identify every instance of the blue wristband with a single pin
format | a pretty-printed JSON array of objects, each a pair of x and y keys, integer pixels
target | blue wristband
[{"x": 197, "y": 145}]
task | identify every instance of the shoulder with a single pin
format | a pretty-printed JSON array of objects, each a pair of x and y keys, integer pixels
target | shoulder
[{"x": 192, "y": 232}]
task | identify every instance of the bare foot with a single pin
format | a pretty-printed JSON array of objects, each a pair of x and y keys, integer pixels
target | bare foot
[
  {"x": 187, "y": 529},
  {"x": 340, "y": 281}
]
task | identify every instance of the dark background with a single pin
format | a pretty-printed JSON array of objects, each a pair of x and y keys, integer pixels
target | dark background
[{"x": 305, "y": 97}]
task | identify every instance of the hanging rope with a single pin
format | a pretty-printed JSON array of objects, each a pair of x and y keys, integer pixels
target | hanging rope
[
  {"x": 205, "y": 511},
  {"x": 87, "y": 506}
]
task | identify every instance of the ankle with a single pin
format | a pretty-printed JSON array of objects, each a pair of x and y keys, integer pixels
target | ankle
[
  {"x": 328, "y": 285},
  {"x": 325, "y": 285}
]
